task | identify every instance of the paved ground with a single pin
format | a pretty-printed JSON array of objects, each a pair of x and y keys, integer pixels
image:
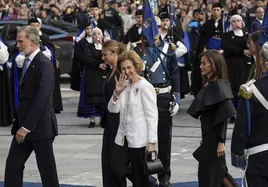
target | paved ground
[{"x": 78, "y": 148}]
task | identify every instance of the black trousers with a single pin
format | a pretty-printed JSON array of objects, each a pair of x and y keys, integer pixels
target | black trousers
[
  {"x": 18, "y": 155},
  {"x": 109, "y": 178},
  {"x": 130, "y": 161},
  {"x": 164, "y": 135},
  {"x": 257, "y": 181}
]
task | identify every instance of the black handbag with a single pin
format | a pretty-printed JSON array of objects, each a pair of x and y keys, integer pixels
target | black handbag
[{"x": 154, "y": 164}]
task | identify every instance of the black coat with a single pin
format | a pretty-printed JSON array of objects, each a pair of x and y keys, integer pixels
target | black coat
[
  {"x": 57, "y": 99},
  {"x": 207, "y": 31},
  {"x": 213, "y": 105},
  {"x": 132, "y": 35},
  {"x": 77, "y": 67},
  {"x": 238, "y": 64},
  {"x": 6, "y": 101},
  {"x": 257, "y": 164},
  {"x": 95, "y": 77},
  {"x": 35, "y": 111}
]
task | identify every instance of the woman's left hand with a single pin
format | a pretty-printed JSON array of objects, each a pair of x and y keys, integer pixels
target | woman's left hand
[
  {"x": 150, "y": 147},
  {"x": 220, "y": 149}
]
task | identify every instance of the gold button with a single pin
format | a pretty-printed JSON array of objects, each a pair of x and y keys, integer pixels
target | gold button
[
  {"x": 164, "y": 79},
  {"x": 164, "y": 73}
]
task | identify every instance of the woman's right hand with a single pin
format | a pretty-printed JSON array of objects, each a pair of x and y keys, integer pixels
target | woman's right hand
[
  {"x": 121, "y": 84},
  {"x": 150, "y": 147},
  {"x": 247, "y": 53}
]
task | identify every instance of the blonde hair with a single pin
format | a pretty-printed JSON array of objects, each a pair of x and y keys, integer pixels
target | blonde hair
[{"x": 114, "y": 47}]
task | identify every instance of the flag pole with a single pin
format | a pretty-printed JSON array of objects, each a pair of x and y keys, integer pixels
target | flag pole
[{"x": 142, "y": 36}]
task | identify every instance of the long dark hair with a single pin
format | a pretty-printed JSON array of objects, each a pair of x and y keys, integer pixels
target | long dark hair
[
  {"x": 218, "y": 65},
  {"x": 256, "y": 72}
]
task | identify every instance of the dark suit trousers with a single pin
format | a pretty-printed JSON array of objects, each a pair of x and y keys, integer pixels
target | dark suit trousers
[
  {"x": 164, "y": 144},
  {"x": 18, "y": 155}
]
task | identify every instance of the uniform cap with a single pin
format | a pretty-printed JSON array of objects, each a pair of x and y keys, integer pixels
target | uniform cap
[
  {"x": 138, "y": 12},
  {"x": 94, "y": 4},
  {"x": 216, "y": 5},
  {"x": 163, "y": 15}
]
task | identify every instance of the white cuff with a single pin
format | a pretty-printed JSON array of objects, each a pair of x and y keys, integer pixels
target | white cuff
[{"x": 26, "y": 129}]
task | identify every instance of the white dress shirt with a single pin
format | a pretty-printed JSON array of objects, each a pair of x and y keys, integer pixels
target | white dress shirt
[
  {"x": 3, "y": 55},
  {"x": 138, "y": 114}
]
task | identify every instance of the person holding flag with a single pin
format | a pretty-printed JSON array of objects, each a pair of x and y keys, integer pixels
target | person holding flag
[{"x": 162, "y": 71}]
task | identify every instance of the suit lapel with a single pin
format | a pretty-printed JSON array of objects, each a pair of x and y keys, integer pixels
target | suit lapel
[{"x": 30, "y": 69}]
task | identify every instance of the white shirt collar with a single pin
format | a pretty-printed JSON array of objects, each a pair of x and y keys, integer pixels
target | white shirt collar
[
  {"x": 31, "y": 56},
  {"x": 98, "y": 46},
  {"x": 238, "y": 32}
]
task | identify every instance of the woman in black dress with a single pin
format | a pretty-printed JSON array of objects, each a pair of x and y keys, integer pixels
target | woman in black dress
[
  {"x": 91, "y": 103},
  {"x": 110, "y": 121},
  {"x": 213, "y": 107},
  {"x": 237, "y": 56}
]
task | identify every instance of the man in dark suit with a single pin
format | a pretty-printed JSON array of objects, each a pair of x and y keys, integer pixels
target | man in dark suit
[
  {"x": 35, "y": 126},
  {"x": 257, "y": 23}
]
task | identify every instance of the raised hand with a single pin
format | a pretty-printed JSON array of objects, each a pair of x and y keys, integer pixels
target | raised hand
[{"x": 121, "y": 84}]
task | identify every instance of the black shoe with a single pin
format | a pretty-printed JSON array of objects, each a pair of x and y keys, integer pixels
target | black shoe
[
  {"x": 232, "y": 119},
  {"x": 164, "y": 184},
  {"x": 91, "y": 125}
]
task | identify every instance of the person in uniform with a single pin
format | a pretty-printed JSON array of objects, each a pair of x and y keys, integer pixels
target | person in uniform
[
  {"x": 249, "y": 144},
  {"x": 112, "y": 16},
  {"x": 133, "y": 35},
  {"x": 237, "y": 56},
  {"x": 6, "y": 106},
  {"x": 163, "y": 72},
  {"x": 193, "y": 32},
  {"x": 170, "y": 34},
  {"x": 210, "y": 38},
  {"x": 96, "y": 21},
  {"x": 48, "y": 48},
  {"x": 213, "y": 107}
]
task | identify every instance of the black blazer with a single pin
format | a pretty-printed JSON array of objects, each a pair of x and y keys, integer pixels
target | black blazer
[{"x": 35, "y": 110}]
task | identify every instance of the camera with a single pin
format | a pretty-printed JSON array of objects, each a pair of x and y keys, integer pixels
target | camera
[{"x": 31, "y": 6}]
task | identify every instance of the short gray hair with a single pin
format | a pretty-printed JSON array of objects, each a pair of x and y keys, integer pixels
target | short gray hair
[{"x": 31, "y": 33}]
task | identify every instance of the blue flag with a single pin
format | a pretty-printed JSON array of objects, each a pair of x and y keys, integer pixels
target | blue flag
[
  {"x": 264, "y": 28},
  {"x": 149, "y": 26}
]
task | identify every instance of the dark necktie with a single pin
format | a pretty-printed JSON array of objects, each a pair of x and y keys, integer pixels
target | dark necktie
[{"x": 25, "y": 67}]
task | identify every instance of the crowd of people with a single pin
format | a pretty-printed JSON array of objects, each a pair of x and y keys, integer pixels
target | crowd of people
[{"x": 132, "y": 85}]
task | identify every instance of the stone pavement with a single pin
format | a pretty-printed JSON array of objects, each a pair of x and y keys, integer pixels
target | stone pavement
[{"x": 78, "y": 148}]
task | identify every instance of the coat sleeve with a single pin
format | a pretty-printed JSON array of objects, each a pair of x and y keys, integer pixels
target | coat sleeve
[
  {"x": 44, "y": 91},
  {"x": 87, "y": 57},
  {"x": 174, "y": 71},
  {"x": 148, "y": 96},
  {"x": 228, "y": 47},
  {"x": 203, "y": 38},
  {"x": 254, "y": 27},
  {"x": 239, "y": 137},
  {"x": 114, "y": 107},
  {"x": 221, "y": 130}
]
